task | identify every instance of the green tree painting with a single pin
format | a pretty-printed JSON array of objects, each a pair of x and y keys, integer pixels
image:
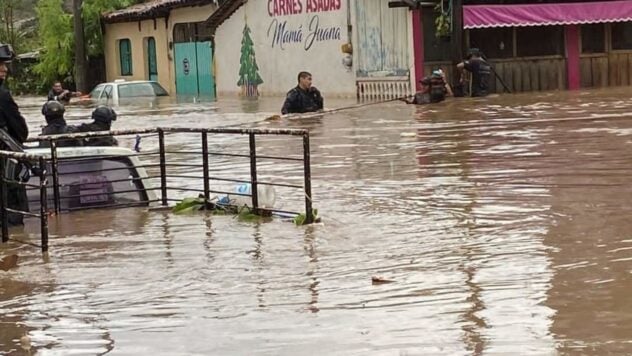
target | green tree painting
[{"x": 249, "y": 77}]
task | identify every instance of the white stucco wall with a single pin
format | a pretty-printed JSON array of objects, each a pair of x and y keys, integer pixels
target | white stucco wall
[{"x": 282, "y": 54}]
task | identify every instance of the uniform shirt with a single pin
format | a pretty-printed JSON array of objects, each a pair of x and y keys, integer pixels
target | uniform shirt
[
  {"x": 481, "y": 71},
  {"x": 97, "y": 141},
  {"x": 301, "y": 101},
  {"x": 57, "y": 127},
  {"x": 10, "y": 117}
]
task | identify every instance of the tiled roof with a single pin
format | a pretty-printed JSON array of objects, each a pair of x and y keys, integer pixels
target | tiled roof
[{"x": 151, "y": 9}]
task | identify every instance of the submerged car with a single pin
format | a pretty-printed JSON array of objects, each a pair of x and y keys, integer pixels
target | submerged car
[
  {"x": 94, "y": 177},
  {"x": 120, "y": 92}
]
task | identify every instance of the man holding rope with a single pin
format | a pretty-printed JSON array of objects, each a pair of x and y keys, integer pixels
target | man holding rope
[{"x": 304, "y": 97}]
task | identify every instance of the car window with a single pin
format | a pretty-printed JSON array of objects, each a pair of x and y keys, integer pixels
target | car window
[
  {"x": 135, "y": 90},
  {"x": 96, "y": 92},
  {"x": 108, "y": 91},
  {"x": 159, "y": 90},
  {"x": 95, "y": 182}
]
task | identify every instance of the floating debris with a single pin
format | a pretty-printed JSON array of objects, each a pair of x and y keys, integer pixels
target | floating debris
[
  {"x": 8, "y": 262},
  {"x": 380, "y": 280}
]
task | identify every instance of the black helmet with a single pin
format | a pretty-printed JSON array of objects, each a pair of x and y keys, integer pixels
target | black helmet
[
  {"x": 6, "y": 53},
  {"x": 53, "y": 108},
  {"x": 103, "y": 114}
]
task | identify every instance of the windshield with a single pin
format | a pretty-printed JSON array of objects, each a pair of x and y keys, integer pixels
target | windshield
[
  {"x": 86, "y": 183},
  {"x": 140, "y": 89}
]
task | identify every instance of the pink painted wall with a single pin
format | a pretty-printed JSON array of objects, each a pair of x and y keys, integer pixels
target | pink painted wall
[{"x": 418, "y": 46}]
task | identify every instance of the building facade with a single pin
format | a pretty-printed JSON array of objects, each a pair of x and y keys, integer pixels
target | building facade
[
  {"x": 161, "y": 40},
  {"x": 549, "y": 45}
]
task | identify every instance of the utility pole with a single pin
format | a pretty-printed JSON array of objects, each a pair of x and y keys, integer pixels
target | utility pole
[{"x": 80, "y": 48}]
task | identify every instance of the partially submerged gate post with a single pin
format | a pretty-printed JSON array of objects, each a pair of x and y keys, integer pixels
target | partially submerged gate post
[
  {"x": 44, "y": 203},
  {"x": 307, "y": 174},
  {"x": 207, "y": 195},
  {"x": 163, "y": 166},
  {"x": 253, "y": 173},
  {"x": 4, "y": 216}
]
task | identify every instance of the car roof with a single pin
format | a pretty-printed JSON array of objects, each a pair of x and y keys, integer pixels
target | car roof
[
  {"x": 82, "y": 151},
  {"x": 129, "y": 82}
]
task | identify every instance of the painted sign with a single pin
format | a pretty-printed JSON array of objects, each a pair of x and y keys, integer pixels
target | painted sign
[
  {"x": 281, "y": 33},
  {"x": 287, "y": 36}
]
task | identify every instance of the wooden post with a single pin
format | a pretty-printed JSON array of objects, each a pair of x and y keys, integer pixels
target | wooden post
[{"x": 457, "y": 31}]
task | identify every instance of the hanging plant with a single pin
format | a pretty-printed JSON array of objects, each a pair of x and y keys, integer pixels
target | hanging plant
[{"x": 443, "y": 22}]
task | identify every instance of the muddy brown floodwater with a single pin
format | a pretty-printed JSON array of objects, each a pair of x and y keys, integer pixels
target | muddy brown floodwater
[{"x": 504, "y": 223}]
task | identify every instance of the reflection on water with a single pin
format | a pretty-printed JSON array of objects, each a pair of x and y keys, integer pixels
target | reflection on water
[{"x": 503, "y": 222}]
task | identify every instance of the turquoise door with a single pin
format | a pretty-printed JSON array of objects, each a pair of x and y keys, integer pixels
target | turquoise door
[
  {"x": 186, "y": 68},
  {"x": 152, "y": 64},
  {"x": 194, "y": 76},
  {"x": 206, "y": 83}
]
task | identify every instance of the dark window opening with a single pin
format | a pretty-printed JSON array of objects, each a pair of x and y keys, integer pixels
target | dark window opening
[
  {"x": 593, "y": 38},
  {"x": 621, "y": 38},
  {"x": 540, "y": 41},
  {"x": 493, "y": 42}
]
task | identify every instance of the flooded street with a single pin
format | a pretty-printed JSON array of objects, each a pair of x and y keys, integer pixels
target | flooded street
[{"x": 503, "y": 223}]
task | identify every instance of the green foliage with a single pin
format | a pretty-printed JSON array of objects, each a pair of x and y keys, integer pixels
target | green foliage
[
  {"x": 57, "y": 37},
  {"x": 244, "y": 213},
  {"x": 57, "y": 40},
  {"x": 301, "y": 218},
  {"x": 92, "y": 10},
  {"x": 443, "y": 22}
]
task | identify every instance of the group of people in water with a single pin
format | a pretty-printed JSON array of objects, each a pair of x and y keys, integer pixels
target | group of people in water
[
  {"x": 14, "y": 130},
  {"x": 434, "y": 88}
]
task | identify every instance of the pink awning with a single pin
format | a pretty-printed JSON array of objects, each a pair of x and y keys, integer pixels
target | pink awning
[{"x": 485, "y": 16}]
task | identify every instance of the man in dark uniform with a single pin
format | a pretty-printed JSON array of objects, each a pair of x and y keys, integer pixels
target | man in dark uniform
[
  {"x": 303, "y": 98},
  {"x": 14, "y": 132},
  {"x": 480, "y": 69},
  {"x": 422, "y": 96},
  {"x": 60, "y": 94},
  {"x": 53, "y": 111},
  {"x": 103, "y": 117}
]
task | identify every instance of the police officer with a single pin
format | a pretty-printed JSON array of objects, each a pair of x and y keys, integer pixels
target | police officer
[
  {"x": 480, "y": 69},
  {"x": 53, "y": 111},
  {"x": 60, "y": 94},
  {"x": 304, "y": 97},
  {"x": 103, "y": 117},
  {"x": 422, "y": 96},
  {"x": 13, "y": 132}
]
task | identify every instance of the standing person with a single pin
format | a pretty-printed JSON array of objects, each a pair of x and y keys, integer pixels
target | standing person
[
  {"x": 60, "y": 94},
  {"x": 53, "y": 111},
  {"x": 480, "y": 69},
  {"x": 102, "y": 118},
  {"x": 13, "y": 132},
  {"x": 304, "y": 97}
]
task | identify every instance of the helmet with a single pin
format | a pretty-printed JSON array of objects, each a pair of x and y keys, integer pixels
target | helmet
[
  {"x": 474, "y": 52},
  {"x": 103, "y": 114},
  {"x": 53, "y": 108},
  {"x": 437, "y": 74},
  {"x": 6, "y": 53}
]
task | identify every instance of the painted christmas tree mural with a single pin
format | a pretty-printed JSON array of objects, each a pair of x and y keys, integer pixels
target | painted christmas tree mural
[{"x": 249, "y": 77}]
